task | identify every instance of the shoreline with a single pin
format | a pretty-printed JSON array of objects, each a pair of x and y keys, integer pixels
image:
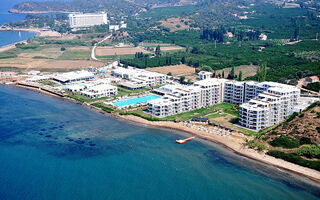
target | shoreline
[
  {"x": 13, "y": 45},
  {"x": 233, "y": 144},
  {"x": 38, "y": 32}
]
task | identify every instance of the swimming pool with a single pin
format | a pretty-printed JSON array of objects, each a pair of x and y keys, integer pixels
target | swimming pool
[{"x": 136, "y": 100}]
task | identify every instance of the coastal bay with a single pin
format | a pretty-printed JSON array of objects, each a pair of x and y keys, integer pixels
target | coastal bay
[
  {"x": 10, "y": 37},
  {"x": 61, "y": 149}
]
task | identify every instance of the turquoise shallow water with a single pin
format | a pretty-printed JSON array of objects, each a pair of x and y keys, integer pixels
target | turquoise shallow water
[{"x": 54, "y": 149}]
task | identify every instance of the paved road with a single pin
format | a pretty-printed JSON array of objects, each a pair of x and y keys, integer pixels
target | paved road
[{"x": 93, "y": 52}]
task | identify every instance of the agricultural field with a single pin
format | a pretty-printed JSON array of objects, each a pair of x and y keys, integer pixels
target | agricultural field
[
  {"x": 247, "y": 70},
  {"x": 111, "y": 51},
  {"x": 175, "y": 24},
  {"x": 175, "y": 70},
  {"x": 49, "y": 57}
]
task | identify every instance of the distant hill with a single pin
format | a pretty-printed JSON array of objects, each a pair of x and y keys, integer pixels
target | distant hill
[{"x": 127, "y": 6}]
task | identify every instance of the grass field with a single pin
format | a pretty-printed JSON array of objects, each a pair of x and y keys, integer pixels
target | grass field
[
  {"x": 123, "y": 92},
  {"x": 75, "y": 55},
  {"x": 111, "y": 51},
  {"x": 210, "y": 112}
]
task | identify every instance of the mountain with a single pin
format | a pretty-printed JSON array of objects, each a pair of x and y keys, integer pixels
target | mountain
[{"x": 127, "y": 6}]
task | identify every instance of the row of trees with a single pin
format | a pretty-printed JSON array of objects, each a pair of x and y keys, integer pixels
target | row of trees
[{"x": 216, "y": 35}]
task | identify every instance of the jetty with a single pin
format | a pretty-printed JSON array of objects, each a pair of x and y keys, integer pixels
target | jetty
[
  {"x": 38, "y": 87},
  {"x": 182, "y": 141}
]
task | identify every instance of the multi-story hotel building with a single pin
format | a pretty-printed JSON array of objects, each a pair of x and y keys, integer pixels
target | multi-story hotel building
[
  {"x": 140, "y": 76},
  {"x": 211, "y": 91},
  {"x": 80, "y": 20},
  {"x": 234, "y": 92},
  {"x": 261, "y": 104},
  {"x": 270, "y": 107},
  {"x": 176, "y": 99},
  {"x": 99, "y": 91}
]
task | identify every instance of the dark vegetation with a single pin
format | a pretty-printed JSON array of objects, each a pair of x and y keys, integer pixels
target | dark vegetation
[
  {"x": 291, "y": 157},
  {"x": 313, "y": 86},
  {"x": 296, "y": 139}
]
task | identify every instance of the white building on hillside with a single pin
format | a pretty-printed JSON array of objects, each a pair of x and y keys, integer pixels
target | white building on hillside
[
  {"x": 204, "y": 75},
  {"x": 114, "y": 27},
  {"x": 80, "y": 20}
]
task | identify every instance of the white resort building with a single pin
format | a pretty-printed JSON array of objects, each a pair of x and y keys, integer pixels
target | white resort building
[
  {"x": 99, "y": 91},
  {"x": 176, "y": 99},
  {"x": 270, "y": 107},
  {"x": 70, "y": 77},
  {"x": 138, "y": 78},
  {"x": 261, "y": 104},
  {"x": 80, "y": 20}
]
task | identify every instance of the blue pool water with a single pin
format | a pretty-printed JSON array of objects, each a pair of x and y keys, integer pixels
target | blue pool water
[
  {"x": 136, "y": 100},
  {"x": 54, "y": 149}
]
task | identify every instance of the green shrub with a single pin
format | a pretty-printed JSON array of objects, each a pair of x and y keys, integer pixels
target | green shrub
[
  {"x": 291, "y": 117},
  {"x": 313, "y": 105},
  {"x": 104, "y": 108},
  {"x": 24, "y": 46},
  {"x": 304, "y": 140},
  {"x": 290, "y": 157},
  {"x": 255, "y": 144},
  {"x": 309, "y": 151},
  {"x": 274, "y": 133},
  {"x": 285, "y": 142}
]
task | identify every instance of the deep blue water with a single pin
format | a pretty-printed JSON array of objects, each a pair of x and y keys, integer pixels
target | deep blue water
[{"x": 55, "y": 149}]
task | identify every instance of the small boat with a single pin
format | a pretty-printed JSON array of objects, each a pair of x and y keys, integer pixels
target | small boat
[{"x": 181, "y": 141}]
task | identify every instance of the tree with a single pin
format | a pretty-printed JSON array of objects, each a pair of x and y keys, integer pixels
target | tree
[
  {"x": 240, "y": 76},
  {"x": 262, "y": 72},
  {"x": 169, "y": 74},
  {"x": 182, "y": 79},
  {"x": 232, "y": 72},
  {"x": 183, "y": 60},
  {"x": 158, "y": 51},
  {"x": 296, "y": 34},
  {"x": 222, "y": 74},
  {"x": 63, "y": 49}
]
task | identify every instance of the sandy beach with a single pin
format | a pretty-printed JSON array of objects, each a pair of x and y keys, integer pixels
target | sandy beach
[
  {"x": 235, "y": 143},
  {"x": 8, "y": 47}
]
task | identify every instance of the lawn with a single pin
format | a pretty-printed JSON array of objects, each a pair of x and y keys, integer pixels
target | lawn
[
  {"x": 123, "y": 92},
  {"x": 209, "y": 112},
  {"x": 50, "y": 83},
  {"x": 83, "y": 99},
  {"x": 75, "y": 55}
]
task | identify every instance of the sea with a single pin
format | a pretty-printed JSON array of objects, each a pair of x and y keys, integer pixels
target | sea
[{"x": 55, "y": 149}]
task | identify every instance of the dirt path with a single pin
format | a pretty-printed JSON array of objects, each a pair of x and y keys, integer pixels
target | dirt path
[{"x": 93, "y": 52}]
